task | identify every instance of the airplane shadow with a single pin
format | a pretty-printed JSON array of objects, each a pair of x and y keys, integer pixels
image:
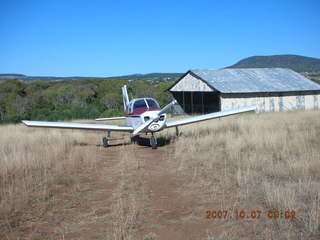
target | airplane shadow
[
  {"x": 115, "y": 144},
  {"x": 141, "y": 141},
  {"x": 145, "y": 141}
]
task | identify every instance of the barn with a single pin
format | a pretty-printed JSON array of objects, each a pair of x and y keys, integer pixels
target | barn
[{"x": 270, "y": 89}]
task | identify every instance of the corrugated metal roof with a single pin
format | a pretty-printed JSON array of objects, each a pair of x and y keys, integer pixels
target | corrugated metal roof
[{"x": 244, "y": 80}]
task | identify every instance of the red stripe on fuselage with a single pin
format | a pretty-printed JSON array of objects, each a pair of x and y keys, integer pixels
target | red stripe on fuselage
[{"x": 139, "y": 111}]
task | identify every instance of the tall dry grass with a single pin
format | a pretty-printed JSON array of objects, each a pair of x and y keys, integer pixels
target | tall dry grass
[
  {"x": 129, "y": 196},
  {"x": 35, "y": 160},
  {"x": 248, "y": 162},
  {"x": 255, "y": 162},
  {"x": 32, "y": 160}
]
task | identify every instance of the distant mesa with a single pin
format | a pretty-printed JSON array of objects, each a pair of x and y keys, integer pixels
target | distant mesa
[{"x": 294, "y": 62}]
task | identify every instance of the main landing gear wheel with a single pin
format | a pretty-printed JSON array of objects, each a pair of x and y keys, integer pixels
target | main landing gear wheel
[
  {"x": 153, "y": 142},
  {"x": 105, "y": 142}
]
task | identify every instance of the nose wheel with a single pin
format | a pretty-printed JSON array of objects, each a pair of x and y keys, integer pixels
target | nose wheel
[{"x": 153, "y": 142}]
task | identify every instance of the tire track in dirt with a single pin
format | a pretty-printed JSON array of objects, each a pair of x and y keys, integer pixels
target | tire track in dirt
[
  {"x": 170, "y": 214},
  {"x": 83, "y": 211}
]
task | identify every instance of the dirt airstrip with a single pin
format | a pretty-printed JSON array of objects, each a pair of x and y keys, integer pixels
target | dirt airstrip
[
  {"x": 256, "y": 177},
  {"x": 81, "y": 209}
]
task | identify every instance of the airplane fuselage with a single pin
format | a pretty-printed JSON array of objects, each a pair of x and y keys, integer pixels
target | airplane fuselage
[{"x": 141, "y": 110}]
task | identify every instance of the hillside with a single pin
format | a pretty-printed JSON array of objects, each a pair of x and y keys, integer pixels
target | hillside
[
  {"x": 24, "y": 78},
  {"x": 314, "y": 76},
  {"x": 150, "y": 77},
  {"x": 294, "y": 62},
  {"x": 9, "y": 76},
  {"x": 62, "y": 100}
]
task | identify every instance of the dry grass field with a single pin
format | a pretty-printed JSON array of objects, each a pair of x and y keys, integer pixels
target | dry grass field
[{"x": 242, "y": 177}]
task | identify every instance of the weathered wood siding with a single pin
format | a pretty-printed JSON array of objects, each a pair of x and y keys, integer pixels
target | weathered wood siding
[
  {"x": 272, "y": 103},
  {"x": 189, "y": 83}
]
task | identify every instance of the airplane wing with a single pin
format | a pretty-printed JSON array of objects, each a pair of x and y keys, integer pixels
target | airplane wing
[
  {"x": 84, "y": 126},
  {"x": 209, "y": 116}
]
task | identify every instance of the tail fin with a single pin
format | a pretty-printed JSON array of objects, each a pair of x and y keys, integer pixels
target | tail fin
[{"x": 125, "y": 97}]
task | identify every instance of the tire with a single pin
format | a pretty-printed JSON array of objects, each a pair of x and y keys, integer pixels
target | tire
[
  {"x": 105, "y": 142},
  {"x": 153, "y": 143}
]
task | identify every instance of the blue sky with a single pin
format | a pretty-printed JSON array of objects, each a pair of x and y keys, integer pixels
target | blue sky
[{"x": 108, "y": 38}]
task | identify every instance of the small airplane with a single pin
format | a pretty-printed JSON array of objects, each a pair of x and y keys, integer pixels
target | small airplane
[{"x": 143, "y": 115}]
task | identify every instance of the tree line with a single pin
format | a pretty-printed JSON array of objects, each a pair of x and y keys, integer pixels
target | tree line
[{"x": 78, "y": 99}]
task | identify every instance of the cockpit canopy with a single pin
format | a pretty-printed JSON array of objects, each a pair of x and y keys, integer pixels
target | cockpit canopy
[{"x": 141, "y": 105}]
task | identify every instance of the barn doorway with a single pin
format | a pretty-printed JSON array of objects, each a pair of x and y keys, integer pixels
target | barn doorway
[{"x": 198, "y": 102}]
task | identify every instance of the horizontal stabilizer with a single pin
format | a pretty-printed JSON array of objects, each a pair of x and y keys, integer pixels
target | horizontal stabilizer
[{"x": 107, "y": 119}]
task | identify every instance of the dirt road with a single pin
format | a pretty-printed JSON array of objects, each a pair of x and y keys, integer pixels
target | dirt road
[{"x": 80, "y": 206}]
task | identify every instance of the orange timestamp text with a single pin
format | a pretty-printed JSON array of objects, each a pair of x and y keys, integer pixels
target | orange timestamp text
[{"x": 250, "y": 214}]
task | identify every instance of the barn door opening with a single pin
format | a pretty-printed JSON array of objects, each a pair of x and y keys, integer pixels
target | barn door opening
[{"x": 198, "y": 102}]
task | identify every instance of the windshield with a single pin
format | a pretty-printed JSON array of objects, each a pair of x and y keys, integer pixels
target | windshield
[
  {"x": 152, "y": 103},
  {"x": 139, "y": 104}
]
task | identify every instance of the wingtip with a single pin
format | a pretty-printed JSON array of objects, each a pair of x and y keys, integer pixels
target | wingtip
[
  {"x": 25, "y": 122},
  {"x": 250, "y": 108},
  {"x": 254, "y": 108}
]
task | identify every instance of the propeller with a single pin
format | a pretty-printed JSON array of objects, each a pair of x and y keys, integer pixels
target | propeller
[{"x": 151, "y": 120}]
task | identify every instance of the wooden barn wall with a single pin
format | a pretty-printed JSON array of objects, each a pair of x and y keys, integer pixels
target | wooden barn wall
[
  {"x": 189, "y": 83},
  {"x": 276, "y": 102}
]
